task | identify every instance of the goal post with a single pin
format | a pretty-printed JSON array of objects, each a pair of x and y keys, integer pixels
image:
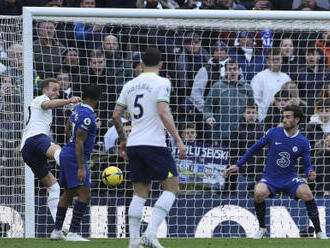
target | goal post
[{"x": 204, "y": 208}]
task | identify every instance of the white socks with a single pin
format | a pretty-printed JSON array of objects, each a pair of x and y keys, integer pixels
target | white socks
[
  {"x": 57, "y": 156},
  {"x": 53, "y": 199},
  {"x": 134, "y": 217},
  {"x": 159, "y": 211}
]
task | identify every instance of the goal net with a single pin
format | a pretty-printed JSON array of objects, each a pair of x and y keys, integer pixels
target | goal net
[{"x": 231, "y": 73}]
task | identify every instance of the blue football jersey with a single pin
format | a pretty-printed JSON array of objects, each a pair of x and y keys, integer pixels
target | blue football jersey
[
  {"x": 82, "y": 117},
  {"x": 282, "y": 154}
]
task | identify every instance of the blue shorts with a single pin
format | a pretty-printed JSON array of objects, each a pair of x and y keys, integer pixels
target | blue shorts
[
  {"x": 148, "y": 163},
  {"x": 69, "y": 170},
  {"x": 34, "y": 154},
  {"x": 288, "y": 186}
]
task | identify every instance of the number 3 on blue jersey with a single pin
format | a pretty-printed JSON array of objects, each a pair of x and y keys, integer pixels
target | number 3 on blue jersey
[{"x": 139, "y": 106}]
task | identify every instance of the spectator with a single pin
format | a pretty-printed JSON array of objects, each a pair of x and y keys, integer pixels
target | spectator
[
  {"x": 60, "y": 115},
  {"x": 314, "y": 4},
  {"x": 242, "y": 137},
  {"x": 319, "y": 124},
  {"x": 11, "y": 125},
  {"x": 290, "y": 60},
  {"x": 117, "y": 63},
  {"x": 192, "y": 58},
  {"x": 262, "y": 5},
  {"x": 71, "y": 63},
  {"x": 322, "y": 168},
  {"x": 269, "y": 81},
  {"x": 11, "y": 7},
  {"x": 293, "y": 90},
  {"x": 324, "y": 93},
  {"x": 226, "y": 102},
  {"x": 324, "y": 45},
  {"x": 16, "y": 68},
  {"x": 228, "y": 4},
  {"x": 88, "y": 36},
  {"x": 189, "y": 133},
  {"x": 250, "y": 58},
  {"x": 191, "y": 4},
  {"x": 212, "y": 72},
  {"x": 273, "y": 117},
  {"x": 312, "y": 77},
  {"x": 110, "y": 87},
  {"x": 152, "y": 4},
  {"x": 305, "y": 7},
  {"x": 47, "y": 50},
  {"x": 207, "y": 4}
]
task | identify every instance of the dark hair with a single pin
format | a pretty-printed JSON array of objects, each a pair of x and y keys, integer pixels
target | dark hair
[
  {"x": 273, "y": 52},
  {"x": 231, "y": 61},
  {"x": 323, "y": 103},
  {"x": 297, "y": 111},
  {"x": 282, "y": 95},
  {"x": 251, "y": 104},
  {"x": 45, "y": 83},
  {"x": 151, "y": 56},
  {"x": 92, "y": 91}
]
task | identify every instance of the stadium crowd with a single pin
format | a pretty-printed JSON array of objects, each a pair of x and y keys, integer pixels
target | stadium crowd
[{"x": 228, "y": 86}]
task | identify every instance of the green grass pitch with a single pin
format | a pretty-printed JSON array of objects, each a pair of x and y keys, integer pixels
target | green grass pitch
[{"x": 170, "y": 243}]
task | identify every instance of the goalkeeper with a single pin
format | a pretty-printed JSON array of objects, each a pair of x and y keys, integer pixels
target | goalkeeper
[{"x": 286, "y": 145}]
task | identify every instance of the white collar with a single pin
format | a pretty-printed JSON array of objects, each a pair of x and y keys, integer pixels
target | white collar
[
  {"x": 87, "y": 106},
  {"x": 285, "y": 132}
]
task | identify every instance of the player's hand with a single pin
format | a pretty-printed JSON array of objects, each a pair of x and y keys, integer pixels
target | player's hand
[
  {"x": 81, "y": 175},
  {"x": 123, "y": 151},
  {"x": 75, "y": 99},
  {"x": 211, "y": 121},
  {"x": 311, "y": 175},
  {"x": 231, "y": 169},
  {"x": 182, "y": 149}
]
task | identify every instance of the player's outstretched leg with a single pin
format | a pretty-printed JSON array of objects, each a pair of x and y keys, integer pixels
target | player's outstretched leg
[
  {"x": 261, "y": 192},
  {"x": 54, "y": 190},
  {"x": 303, "y": 192}
]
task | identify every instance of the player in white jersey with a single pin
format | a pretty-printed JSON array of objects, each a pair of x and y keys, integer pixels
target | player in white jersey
[
  {"x": 36, "y": 145},
  {"x": 146, "y": 98}
]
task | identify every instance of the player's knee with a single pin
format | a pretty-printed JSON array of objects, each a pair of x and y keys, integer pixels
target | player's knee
[
  {"x": 306, "y": 196},
  {"x": 259, "y": 196}
]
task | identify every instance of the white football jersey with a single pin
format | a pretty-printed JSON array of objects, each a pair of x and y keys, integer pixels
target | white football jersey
[
  {"x": 141, "y": 96},
  {"x": 38, "y": 120}
]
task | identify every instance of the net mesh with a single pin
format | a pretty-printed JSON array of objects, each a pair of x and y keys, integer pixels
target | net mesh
[
  {"x": 11, "y": 116},
  {"x": 217, "y": 119}
]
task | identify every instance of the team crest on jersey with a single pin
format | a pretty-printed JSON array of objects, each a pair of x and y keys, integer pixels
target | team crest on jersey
[
  {"x": 87, "y": 121},
  {"x": 294, "y": 149}
]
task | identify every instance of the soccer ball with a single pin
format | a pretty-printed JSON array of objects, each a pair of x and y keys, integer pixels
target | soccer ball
[{"x": 112, "y": 176}]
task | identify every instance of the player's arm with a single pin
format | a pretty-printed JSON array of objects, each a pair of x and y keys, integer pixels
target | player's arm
[
  {"x": 248, "y": 154},
  {"x": 309, "y": 171},
  {"x": 81, "y": 136},
  {"x": 167, "y": 119},
  {"x": 56, "y": 103},
  {"x": 116, "y": 119},
  {"x": 68, "y": 129}
]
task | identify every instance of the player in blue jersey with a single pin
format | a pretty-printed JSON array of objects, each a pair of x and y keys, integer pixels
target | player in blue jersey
[
  {"x": 74, "y": 173},
  {"x": 286, "y": 145},
  {"x": 146, "y": 98}
]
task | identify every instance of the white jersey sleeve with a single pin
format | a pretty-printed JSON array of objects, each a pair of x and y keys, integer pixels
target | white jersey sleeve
[
  {"x": 38, "y": 120},
  {"x": 164, "y": 92}
]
